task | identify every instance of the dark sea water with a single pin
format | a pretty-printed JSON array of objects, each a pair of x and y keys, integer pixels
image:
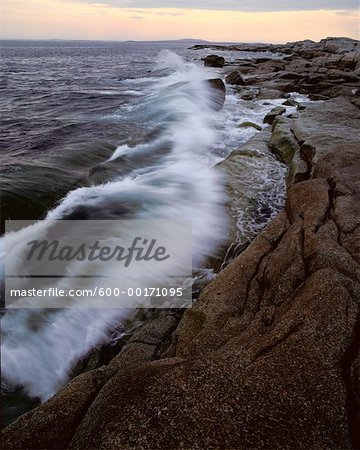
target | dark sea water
[
  {"x": 58, "y": 93},
  {"x": 99, "y": 130}
]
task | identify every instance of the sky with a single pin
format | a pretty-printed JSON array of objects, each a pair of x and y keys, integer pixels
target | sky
[{"x": 214, "y": 20}]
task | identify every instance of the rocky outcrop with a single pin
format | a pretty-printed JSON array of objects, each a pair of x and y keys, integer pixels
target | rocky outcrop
[
  {"x": 326, "y": 69},
  {"x": 307, "y": 48},
  {"x": 214, "y": 61},
  {"x": 42, "y": 428},
  {"x": 248, "y": 94},
  {"x": 332, "y": 123},
  {"x": 340, "y": 75},
  {"x": 301, "y": 142},
  {"x": 340, "y": 45}
]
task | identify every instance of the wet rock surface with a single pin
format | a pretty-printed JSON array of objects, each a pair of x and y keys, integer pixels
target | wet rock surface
[
  {"x": 217, "y": 93},
  {"x": 275, "y": 112},
  {"x": 235, "y": 78},
  {"x": 214, "y": 61},
  {"x": 269, "y": 355}
]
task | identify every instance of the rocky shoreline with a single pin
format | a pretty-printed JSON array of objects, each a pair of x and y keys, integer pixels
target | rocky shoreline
[{"x": 269, "y": 356}]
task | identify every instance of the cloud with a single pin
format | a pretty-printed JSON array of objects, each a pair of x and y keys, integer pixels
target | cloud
[
  {"x": 155, "y": 12},
  {"x": 232, "y": 5},
  {"x": 344, "y": 12}
]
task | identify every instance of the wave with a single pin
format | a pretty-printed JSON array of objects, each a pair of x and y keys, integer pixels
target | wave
[{"x": 168, "y": 178}]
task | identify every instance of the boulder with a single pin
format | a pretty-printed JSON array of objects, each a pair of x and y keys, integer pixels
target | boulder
[
  {"x": 250, "y": 125},
  {"x": 271, "y": 116},
  {"x": 249, "y": 94},
  {"x": 214, "y": 61},
  {"x": 340, "y": 44},
  {"x": 217, "y": 93},
  {"x": 235, "y": 78},
  {"x": 335, "y": 74},
  {"x": 350, "y": 61},
  {"x": 270, "y": 94},
  {"x": 290, "y": 102},
  {"x": 282, "y": 141}
]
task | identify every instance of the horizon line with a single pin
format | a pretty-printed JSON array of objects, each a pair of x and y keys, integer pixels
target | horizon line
[{"x": 200, "y": 40}]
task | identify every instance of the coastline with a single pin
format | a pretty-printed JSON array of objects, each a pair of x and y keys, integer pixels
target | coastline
[{"x": 274, "y": 339}]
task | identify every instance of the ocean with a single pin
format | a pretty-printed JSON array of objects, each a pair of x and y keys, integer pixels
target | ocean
[{"x": 108, "y": 130}]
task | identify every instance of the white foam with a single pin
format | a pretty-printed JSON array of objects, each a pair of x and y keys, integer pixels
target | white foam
[{"x": 121, "y": 150}]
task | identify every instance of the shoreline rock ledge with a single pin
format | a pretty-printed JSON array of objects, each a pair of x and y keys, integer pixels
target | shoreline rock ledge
[{"x": 269, "y": 356}]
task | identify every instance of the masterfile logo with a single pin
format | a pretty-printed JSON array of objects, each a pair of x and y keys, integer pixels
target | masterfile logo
[
  {"x": 140, "y": 249},
  {"x": 122, "y": 263}
]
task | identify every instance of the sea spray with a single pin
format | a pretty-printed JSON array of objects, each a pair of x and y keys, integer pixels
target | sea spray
[{"x": 40, "y": 347}]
